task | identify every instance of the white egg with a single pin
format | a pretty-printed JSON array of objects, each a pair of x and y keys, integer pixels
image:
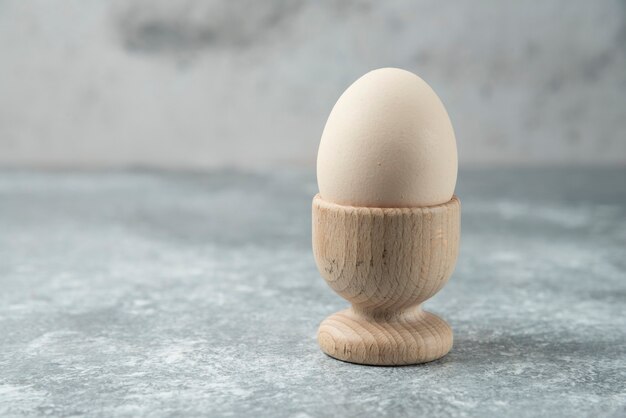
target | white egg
[{"x": 388, "y": 142}]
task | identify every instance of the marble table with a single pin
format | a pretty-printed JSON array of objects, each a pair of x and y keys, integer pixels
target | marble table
[{"x": 133, "y": 293}]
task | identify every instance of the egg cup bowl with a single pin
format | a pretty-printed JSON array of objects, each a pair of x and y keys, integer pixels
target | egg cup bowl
[{"x": 386, "y": 262}]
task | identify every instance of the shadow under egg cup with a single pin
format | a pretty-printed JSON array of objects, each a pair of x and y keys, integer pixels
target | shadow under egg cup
[{"x": 386, "y": 262}]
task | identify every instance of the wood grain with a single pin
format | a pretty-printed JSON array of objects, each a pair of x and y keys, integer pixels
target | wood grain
[{"x": 386, "y": 262}]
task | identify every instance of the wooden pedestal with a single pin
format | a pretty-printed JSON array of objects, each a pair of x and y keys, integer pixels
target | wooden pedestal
[{"x": 386, "y": 262}]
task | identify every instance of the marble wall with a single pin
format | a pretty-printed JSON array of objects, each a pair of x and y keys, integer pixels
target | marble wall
[{"x": 201, "y": 84}]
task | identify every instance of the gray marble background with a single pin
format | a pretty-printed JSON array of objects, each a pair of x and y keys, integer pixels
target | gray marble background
[
  {"x": 200, "y": 84},
  {"x": 193, "y": 292},
  {"x": 159, "y": 294}
]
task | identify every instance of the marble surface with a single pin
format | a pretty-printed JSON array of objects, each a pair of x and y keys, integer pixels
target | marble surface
[
  {"x": 208, "y": 83},
  {"x": 166, "y": 294}
]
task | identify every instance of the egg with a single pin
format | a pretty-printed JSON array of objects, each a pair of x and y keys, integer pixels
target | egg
[{"x": 388, "y": 142}]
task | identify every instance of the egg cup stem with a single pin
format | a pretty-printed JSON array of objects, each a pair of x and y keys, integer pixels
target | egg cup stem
[{"x": 386, "y": 262}]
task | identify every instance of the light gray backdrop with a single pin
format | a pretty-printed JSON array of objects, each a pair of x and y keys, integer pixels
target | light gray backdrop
[{"x": 199, "y": 84}]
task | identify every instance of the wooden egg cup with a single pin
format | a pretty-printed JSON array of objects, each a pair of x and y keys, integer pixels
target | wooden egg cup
[{"x": 386, "y": 262}]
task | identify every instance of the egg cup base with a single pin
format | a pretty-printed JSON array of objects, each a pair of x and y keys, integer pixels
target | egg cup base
[{"x": 414, "y": 337}]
